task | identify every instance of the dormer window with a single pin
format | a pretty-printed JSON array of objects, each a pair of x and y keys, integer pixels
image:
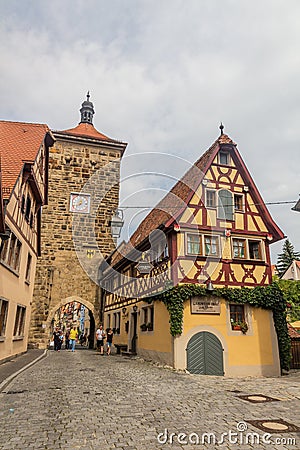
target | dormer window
[{"x": 224, "y": 158}]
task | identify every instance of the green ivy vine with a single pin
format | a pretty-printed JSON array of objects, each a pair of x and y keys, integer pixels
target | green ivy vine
[{"x": 266, "y": 297}]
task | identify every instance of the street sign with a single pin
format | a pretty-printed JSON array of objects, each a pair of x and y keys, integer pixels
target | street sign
[{"x": 144, "y": 266}]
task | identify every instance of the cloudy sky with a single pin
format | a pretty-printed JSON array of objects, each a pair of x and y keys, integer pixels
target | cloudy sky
[{"x": 162, "y": 76}]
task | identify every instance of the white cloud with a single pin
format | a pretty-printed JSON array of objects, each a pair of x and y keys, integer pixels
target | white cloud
[{"x": 162, "y": 75}]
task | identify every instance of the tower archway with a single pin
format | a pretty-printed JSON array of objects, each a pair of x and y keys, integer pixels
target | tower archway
[{"x": 72, "y": 300}]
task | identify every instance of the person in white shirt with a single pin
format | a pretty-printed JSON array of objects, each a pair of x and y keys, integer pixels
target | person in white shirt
[{"x": 100, "y": 336}]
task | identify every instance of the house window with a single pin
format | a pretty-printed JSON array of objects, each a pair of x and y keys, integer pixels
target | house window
[
  {"x": 28, "y": 267},
  {"x": 211, "y": 245},
  {"x": 193, "y": 244},
  {"x": 159, "y": 252},
  {"x": 4, "y": 250},
  {"x": 23, "y": 204},
  {"x": 249, "y": 249},
  {"x": 12, "y": 253},
  {"x": 254, "y": 249},
  {"x": 224, "y": 158},
  {"x": 225, "y": 205},
  {"x": 20, "y": 321},
  {"x": 210, "y": 198},
  {"x": 147, "y": 318},
  {"x": 28, "y": 208},
  {"x": 239, "y": 248},
  {"x": 237, "y": 314},
  {"x": 238, "y": 202},
  {"x": 31, "y": 220},
  {"x": 116, "y": 322},
  {"x": 3, "y": 316}
]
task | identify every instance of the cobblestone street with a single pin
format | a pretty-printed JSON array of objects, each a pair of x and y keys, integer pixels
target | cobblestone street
[{"x": 83, "y": 401}]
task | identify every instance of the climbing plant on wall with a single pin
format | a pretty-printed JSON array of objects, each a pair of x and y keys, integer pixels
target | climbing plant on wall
[{"x": 266, "y": 297}]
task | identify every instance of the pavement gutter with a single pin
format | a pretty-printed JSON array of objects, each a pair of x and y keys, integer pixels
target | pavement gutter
[{"x": 4, "y": 383}]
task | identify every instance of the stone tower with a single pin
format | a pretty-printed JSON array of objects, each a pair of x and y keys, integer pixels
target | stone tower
[{"x": 83, "y": 194}]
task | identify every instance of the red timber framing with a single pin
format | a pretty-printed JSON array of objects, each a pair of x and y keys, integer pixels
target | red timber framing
[{"x": 254, "y": 227}]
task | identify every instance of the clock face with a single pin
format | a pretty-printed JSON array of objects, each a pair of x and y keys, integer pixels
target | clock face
[{"x": 80, "y": 203}]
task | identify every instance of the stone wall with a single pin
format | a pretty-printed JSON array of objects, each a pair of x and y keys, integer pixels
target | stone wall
[{"x": 73, "y": 164}]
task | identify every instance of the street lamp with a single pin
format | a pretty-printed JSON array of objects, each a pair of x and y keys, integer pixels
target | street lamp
[
  {"x": 209, "y": 287},
  {"x": 116, "y": 223}
]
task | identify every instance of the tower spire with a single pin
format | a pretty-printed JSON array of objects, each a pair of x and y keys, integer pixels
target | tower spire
[{"x": 87, "y": 110}]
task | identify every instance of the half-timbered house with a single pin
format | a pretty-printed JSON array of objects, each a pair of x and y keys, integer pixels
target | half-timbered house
[
  {"x": 24, "y": 149},
  {"x": 212, "y": 229}
]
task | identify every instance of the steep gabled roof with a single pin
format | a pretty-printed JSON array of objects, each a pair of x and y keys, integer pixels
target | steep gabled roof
[
  {"x": 19, "y": 143},
  {"x": 174, "y": 203}
]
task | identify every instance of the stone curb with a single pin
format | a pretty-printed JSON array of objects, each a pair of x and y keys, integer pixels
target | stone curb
[{"x": 11, "y": 377}]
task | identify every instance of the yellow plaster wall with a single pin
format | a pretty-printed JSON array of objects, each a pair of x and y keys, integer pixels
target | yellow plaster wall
[
  {"x": 255, "y": 353},
  {"x": 160, "y": 338}
]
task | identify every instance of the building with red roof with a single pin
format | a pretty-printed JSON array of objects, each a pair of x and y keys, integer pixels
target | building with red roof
[
  {"x": 213, "y": 230},
  {"x": 83, "y": 194},
  {"x": 24, "y": 152}
]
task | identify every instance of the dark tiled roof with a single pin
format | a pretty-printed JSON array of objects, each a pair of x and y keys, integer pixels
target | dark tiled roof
[{"x": 19, "y": 142}]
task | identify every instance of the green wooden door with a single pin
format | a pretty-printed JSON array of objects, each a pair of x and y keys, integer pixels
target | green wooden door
[{"x": 205, "y": 354}]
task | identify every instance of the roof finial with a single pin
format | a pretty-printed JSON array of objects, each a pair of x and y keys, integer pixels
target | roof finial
[
  {"x": 87, "y": 110},
  {"x": 221, "y": 128}
]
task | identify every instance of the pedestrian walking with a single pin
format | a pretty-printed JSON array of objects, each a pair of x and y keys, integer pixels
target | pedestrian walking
[
  {"x": 67, "y": 340},
  {"x": 109, "y": 341},
  {"x": 100, "y": 336},
  {"x": 73, "y": 337},
  {"x": 56, "y": 339}
]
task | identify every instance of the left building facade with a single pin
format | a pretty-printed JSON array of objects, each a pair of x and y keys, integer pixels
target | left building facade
[{"x": 24, "y": 154}]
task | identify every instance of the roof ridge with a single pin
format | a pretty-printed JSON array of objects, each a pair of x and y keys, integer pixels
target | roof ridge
[{"x": 24, "y": 123}]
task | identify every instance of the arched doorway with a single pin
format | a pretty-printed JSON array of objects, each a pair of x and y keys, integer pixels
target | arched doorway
[
  {"x": 205, "y": 354},
  {"x": 73, "y": 311}
]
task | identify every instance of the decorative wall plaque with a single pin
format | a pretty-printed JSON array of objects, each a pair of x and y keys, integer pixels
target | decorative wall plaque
[{"x": 205, "y": 305}]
